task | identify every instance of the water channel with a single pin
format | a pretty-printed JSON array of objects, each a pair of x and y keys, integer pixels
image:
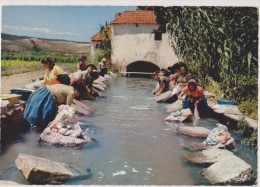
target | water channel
[{"x": 134, "y": 145}]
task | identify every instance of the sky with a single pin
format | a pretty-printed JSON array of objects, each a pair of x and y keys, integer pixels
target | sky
[
  {"x": 79, "y": 19},
  {"x": 74, "y": 23}
]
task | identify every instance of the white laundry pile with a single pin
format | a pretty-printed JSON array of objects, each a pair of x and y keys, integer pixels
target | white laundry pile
[
  {"x": 64, "y": 129},
  {"x": 179, "y": 116}
]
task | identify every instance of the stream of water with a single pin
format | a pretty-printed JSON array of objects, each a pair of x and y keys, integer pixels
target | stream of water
[{"x": 134, "y": 145}]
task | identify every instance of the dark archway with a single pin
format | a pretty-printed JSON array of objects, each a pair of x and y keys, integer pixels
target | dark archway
[{"x": 141, "y": 66}]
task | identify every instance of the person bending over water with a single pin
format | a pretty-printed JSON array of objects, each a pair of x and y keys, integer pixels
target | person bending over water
[
  {"x": 194, "y": 97},
  {"x": 103, "y": 67},
  {"x": 163, "y": 83},
  {"x": 88, "y": 82},
  {"x": 180, "y": 79},
  {"x": 41, "y": 106}
]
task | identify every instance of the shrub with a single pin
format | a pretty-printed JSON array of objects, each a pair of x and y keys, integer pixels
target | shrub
[{"x": 249, "y": 135}]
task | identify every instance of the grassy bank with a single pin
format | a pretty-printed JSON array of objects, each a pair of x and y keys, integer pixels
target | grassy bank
[
  {"x": 249, "y": 107},
  {"x": 11, "y": 67}
]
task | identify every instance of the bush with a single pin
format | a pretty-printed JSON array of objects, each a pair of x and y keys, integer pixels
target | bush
[
  {"x": 249, "y": 108},
  {"x": 249, "y": 135}
]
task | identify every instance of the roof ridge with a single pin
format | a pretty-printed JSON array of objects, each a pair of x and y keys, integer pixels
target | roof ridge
[{"x": 136, "y": 16}]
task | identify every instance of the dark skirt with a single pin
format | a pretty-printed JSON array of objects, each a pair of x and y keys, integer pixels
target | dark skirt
[
  {"x": 103, "y": 71},
  {"x": 41, "y": 108},
  {"x": 203, "y": 108}
]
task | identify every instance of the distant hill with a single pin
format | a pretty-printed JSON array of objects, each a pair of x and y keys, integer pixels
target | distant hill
[{"x": 27, "y": 44}]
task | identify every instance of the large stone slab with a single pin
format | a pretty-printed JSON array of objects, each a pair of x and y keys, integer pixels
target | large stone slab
[
  {"x": 164, "y": 96},
  {"x": 208, "y": 156},
  {"x": 38, "y": 170},
  {"x": 229, "y": 169},
  {"x": 177, "y": 105},
  {"x": 194, "y": 131}
]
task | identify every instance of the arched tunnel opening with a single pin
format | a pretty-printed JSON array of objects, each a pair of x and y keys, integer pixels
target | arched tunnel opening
[{"x": 140, "y": 68}]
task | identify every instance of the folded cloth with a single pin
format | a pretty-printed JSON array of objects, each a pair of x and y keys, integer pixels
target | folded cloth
[
  {"x": 175, "y": 114},
  {"x": 186, "y": 112}
]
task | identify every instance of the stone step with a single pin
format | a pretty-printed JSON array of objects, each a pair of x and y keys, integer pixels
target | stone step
[
  {"x": 37, "y": 170},
  {"x": 226, "y": 167}
]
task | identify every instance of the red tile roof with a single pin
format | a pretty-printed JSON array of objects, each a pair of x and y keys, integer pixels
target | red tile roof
[
  {"x": 136, "y": 16},
  {"x": 96, "y": 37}
]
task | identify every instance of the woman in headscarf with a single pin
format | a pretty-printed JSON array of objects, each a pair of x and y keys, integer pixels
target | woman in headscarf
[
  {"x": 194, "y": 97},
  {"x": 180, "y": 79},
  {"x": 103, "y": 66}
]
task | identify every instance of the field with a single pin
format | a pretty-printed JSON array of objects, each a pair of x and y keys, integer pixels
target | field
[{"x": 12, "y": 67}]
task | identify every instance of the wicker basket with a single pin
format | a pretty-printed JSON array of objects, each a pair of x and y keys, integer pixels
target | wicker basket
[{"x": 12, "y": 98}]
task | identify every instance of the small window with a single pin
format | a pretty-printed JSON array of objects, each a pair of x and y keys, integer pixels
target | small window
[{"x": 157, "y": 35}]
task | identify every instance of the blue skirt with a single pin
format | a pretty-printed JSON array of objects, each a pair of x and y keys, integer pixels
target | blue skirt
[{"x": 41, "y": 108}]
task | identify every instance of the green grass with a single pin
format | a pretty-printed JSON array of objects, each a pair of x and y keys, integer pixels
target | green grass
[
  {"x": 12, "y": 67},
  {"x": 249, "y": 108}
]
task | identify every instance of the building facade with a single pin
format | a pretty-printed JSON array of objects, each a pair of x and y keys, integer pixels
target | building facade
[{"x": 136, "y": 40}]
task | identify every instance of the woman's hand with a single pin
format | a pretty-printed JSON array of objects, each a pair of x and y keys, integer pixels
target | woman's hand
[{"x": 197, "y": 102}]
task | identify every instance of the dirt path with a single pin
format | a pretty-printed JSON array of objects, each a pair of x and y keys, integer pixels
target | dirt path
[{"x": 19, "y": 80}]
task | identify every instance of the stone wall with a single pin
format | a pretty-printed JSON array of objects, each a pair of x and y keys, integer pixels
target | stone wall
[{"x": 131, "y": 44}]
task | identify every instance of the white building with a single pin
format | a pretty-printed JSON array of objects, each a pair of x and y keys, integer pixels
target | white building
[
  {"x": 136, "y": 46},
  {"x": 94, "y": 45}
]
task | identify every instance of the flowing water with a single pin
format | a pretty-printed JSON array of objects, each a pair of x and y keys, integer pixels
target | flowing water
[{"x": 134, "y": 145}]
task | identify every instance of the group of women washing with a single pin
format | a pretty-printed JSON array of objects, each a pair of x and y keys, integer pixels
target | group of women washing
[
  {"x": 179, "y": 82},
  {"x": 60, "y": 88}
]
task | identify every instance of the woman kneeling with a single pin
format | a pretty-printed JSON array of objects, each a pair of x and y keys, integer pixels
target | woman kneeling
[
  {"x": 194, "y": 97},
  {"x": 42, "y": 105}
]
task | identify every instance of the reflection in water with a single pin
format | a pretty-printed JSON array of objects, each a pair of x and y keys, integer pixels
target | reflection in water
[{"x": 134, "y": 146}]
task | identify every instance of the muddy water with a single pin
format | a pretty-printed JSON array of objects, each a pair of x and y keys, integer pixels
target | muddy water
[{"x": 134, "y": 146}]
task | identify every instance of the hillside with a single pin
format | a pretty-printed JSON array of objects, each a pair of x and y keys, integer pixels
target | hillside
[{"x": 26, "y": 44}]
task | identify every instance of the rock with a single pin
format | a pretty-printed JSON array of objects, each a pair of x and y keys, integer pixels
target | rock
[
  {"x": 3, "y": 182},
  {"x": 176, "y": 118},
  {"x": 107, "y": 76},
  {"x": 208, "y": 156},
  {"x": 164, "y": 96},
  {"x": 113, "y": 75},
  {"x": 36, "y": 84},
  {"x": 226, "y": 109},
  {"x": 38, "y": 170},
  {"x": 98, "y": 86},
  {"x": 99, "y": 82},
  {"x": 100, "y": 78},
  {"x": 194, "y": 131},
  {"x": 177, "y": 105},
  {"x": 54, "y": 138},
  {"x": 229, "y": 169}
]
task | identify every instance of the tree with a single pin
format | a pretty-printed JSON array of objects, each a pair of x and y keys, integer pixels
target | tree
[{"x": 221, "y": 40}]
